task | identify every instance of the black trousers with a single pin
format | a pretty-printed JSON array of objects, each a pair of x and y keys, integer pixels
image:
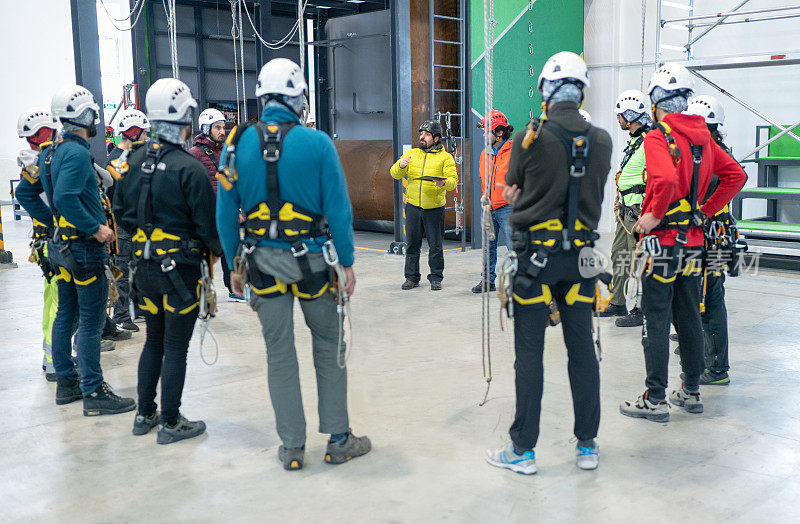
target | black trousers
[
  {"x": 431, "y": 223},
  {"x": 121, "y": 306},
  {"x": 575, "y": 296},
  {"x": 666, "y": 299},
  {"x": 170, "y": 323},
  {"x": 226, "y": 273},
  {"x": 715, "y": 325}
]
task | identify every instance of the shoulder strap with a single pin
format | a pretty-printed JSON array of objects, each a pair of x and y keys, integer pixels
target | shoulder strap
[
  {"x": 630, "y": 150},
  {"x": 209, "y": 153},
  {"x": 144, "y": 208},
  {"x": 271, "y": 136},
  {"x": 697, "y": 157},
  {"x": 673, "y": 147}
]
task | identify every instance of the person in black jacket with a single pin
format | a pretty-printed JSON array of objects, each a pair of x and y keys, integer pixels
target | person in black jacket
[
  {"x": 165, "y": 200},
  {"x": 556, "y": 177}
]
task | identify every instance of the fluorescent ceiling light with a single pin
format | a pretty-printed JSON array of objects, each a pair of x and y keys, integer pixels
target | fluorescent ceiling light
[
  {"x": 355, "y": 1},
  {"x": 679, "y": 6},
  {"x": 322, "y": 6}
]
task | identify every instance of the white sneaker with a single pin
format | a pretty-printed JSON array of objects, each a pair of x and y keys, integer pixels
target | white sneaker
[
  {"x": 587, "y": 458},
  {"x": 689, "y": 401},
  {"x": 505, "y": 457},
  {"x": 643, "y": 407}
]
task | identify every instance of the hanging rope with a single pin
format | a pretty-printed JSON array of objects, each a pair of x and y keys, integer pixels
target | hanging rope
[
  {"x": 283, "y": 42},
  {"x": 644, "y": 20},
  {"x": 487, "y": 229},
  {"x": 172, "y": 32},
  {"x": 134, "y": 14},
  {"x": 241, "y": 59},
  {"x": 234, "y": 35},
  {"x": 301, "y": 35}
]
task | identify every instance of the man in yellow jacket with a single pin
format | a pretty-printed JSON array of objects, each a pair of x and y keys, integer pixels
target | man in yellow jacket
[{"x": 431, "y": 173}]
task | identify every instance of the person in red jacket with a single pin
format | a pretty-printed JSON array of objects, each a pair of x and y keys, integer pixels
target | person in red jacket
[
  {"x": 680, "y": 158},
  {"x": 207, "y": 149},
  {"x": 497, "y": 163}
]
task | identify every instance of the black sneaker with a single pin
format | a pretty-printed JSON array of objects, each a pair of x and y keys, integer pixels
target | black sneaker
[
  {"x": 142, "y": 425},
  {"x": 409, "y": 284},
  {"x": 117, "y": 334},
  {"x": 352, "y": 447},
  {"x": 709, "y": 378},
  {"x": 673, "y": 337},
  {"x": 182, "y": 430},
  {"x": 479, "y": 287},
  {"x": 68, "y": 390},
  {"x": 614, "y": 310},
  {"x": 632, "y": 319},
  {"x": 129, "y": 326},
  {"x": 436, "y": 285},
  {"x": 50, "y": 377},
  {"x": 291, "y": 458},
  {"x": 103, "y": 401}
]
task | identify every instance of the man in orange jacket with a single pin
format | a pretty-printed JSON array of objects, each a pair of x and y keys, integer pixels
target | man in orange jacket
[
  {"x": 681, "y": 156},
  {"x": 497, "y": 164}
]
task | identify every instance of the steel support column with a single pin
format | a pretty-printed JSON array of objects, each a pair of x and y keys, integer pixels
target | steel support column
[
  {"x": 323, "y": 84},
  {"x": 141, "y": 67},
  {"x": 86, "y": 46},
  {"x": 401, "y": 96}
]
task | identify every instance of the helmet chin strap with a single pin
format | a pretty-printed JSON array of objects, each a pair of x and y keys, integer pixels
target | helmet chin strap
[{"x": 559, "y": 86}]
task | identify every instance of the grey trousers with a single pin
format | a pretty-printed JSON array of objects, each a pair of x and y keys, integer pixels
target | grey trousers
[
  {"x": 622, "y": 250},
  {"x": 276, "y": 316}
]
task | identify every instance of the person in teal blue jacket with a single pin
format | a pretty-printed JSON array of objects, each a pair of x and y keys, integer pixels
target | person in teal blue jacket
[{"x": 283, "y": 258}]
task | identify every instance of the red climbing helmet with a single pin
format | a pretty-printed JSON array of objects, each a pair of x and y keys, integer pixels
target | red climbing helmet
[{"x": 496, "y": 119}]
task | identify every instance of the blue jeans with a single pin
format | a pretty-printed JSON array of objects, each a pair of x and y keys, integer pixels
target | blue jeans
[
  {"x": 82, "y": 295},
  {"x": 500, "y": 221}
]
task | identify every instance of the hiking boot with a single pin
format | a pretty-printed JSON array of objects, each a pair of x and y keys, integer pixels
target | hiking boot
[
  {"x": 105, "y": 345},
  {"x": 587, "y": 456},
  {"x": 436, "y": 285},
  {"x": 479, "y": 287},
  {"x": 709, "y": 378},
  {"x": 409, "y": 284},
  {"x": 632, "y": 319},
  {"x": 143, "y": 424},
  {"x": 643, "y": 407},
  {"x": 291, "y": 458},
  {"x": 351, "y": 447},
  {"x": 128, "y": 325},
  {"x": 68, "y": 390},
  {"x": 614, "y": 310},
  {"x": 50, "y": 377},
  {"x": 673, "y": 337},
  {"x": 507, "y": 458},
  {"x": 103, "y": 401},
  {"x": 182, "y": 430},
  {"x": 689, "y": 401}
]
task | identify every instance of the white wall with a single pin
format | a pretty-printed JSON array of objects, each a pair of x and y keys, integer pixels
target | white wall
[
  {"x": 613, "y": 51},
  {"x": 35, "y": 62}
]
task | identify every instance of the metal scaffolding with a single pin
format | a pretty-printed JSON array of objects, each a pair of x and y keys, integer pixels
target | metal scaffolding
[{"x": 711, "y": 22}]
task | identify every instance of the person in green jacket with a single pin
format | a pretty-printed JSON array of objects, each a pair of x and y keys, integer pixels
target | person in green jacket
[
  {"x": 632, "y": 114},
  {"x": 431, "y": 173}
]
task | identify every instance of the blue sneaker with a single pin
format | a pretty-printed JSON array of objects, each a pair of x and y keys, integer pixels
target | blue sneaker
[
  {"x": 233, "y": 297},
  {"x": 588, "y": 458},
  {"x": 505, "y": 457}
]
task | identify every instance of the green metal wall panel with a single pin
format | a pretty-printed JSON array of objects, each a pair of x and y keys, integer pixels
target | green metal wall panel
[{"x": 526, "y": 35}]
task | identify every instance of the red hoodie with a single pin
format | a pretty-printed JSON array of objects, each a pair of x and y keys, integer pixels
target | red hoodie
[
  {"x": 667, "y": 182},
  {"x": 202, "y": 144}
]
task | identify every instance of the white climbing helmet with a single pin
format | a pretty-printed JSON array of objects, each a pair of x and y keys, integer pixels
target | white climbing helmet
[
  {"x": 708, "y": 107},
  {"x": 632, "y": 100},
  {"x": 31, "y": 121},
  {"x": 586, "y": 116},
  {"x": 210, "y": 116},
  {"x": 671, "y": 77},
  {"x": 564, "y": 65},
  {"x": 71, "y": 101},
  {"x": 281, "y": 76},
  {"x": 132, "y": 118},
  {"x": 169, "y": 100}
]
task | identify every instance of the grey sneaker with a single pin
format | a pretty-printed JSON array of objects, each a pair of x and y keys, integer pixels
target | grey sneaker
[
  {"x": 643, "y": 407},
  {"x": 103, "y": 401},
  {"x": 107, "y": 345},
  {"x": 339, "y": 453},
  {"x": 182, "y": 430},
  {"x": 436, "y": 285},
  {"x": 587, "y": 456},
  {"x": 142, "y": 424},
  {"x": 291, "y": 458},
  {"x": 507, "y": 458},
  {"x": 409, "y": 284},
  {"x": 633, "y": 319},
  {"x": 689, "y": 401}
]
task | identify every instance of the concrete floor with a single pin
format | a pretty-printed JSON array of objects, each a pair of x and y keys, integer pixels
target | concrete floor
[{"x": 415, "y": 385}]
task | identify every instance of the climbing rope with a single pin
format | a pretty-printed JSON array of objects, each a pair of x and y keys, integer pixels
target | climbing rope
[
  {"x": 172, "y": 33},
  {"x": 133, "y": 15},
  {"x": 487, "y": 228}
]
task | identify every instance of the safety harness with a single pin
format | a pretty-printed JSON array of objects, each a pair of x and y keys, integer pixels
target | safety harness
[
  {"x": 682, "y": 214},
  {"x": 276, "y": 219},
  {"x": 153, "y": 243},
  {"x": 638, "y": 189},
  {"x": 535, "y": 244}
]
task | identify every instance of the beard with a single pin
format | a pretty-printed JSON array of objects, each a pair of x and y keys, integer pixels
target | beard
[{"x": 92, "y": 130}]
